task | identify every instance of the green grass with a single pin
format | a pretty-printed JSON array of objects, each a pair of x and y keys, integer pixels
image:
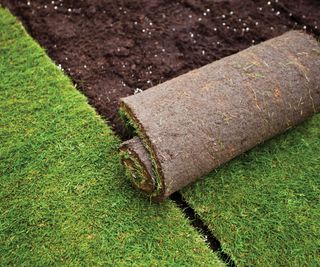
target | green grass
[
  {"x": 64, "y": 198},
  {"x": 264, "y": 206}
]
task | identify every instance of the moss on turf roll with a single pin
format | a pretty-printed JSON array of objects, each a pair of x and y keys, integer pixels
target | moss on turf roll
[{"x": 190, "y": 125}]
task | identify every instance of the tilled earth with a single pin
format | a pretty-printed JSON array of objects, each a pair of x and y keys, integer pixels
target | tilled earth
[{"x": 113, "y": 49}]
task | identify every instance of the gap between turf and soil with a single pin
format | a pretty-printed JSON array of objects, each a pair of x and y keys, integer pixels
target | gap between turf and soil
[{"x": 196, "y": 222}]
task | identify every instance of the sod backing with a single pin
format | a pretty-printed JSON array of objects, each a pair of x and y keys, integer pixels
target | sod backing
[
  {"x": 192, "y": 124},
  {"x": 64, "y": 199},
  {"x": 264, "y": 206}
]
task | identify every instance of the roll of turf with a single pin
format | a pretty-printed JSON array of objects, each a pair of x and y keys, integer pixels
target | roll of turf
[{"x": 190, "y": 125}]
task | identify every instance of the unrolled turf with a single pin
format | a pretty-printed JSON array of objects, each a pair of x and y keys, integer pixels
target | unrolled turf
[
  {"x": 64, "y": 200},
  {"x": 194, "y": 123}
]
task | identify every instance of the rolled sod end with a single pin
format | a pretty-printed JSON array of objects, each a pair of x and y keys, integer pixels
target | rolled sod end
[
  {"x": 190, "y": 125},
  {"x": 135, "y": 158}
]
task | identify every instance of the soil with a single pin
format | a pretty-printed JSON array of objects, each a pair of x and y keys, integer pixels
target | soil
[
  {"x": 113, "y": 49},
  {"x": 304, "y": 12}
]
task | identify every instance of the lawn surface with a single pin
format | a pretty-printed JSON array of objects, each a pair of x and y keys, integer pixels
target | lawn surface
[
  {"x": 264, "y": 206},
  {"x": 64, "y": 198}
]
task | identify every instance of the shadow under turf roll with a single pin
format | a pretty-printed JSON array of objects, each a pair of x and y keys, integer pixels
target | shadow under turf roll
[{"x": 190, "y": 125}]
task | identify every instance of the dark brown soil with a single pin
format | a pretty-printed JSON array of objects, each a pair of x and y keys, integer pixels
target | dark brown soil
[
  {"x": 112, "y": 49},
  {"x": 304, "y": 12}
]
